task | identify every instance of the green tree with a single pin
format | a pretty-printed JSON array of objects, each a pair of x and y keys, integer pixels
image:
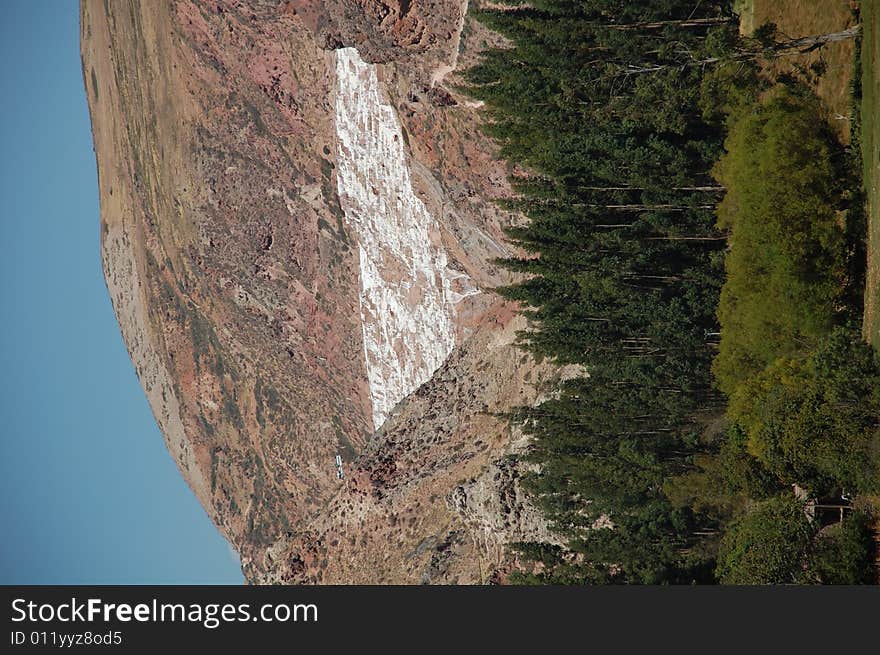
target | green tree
[
  {"x": 786, "y": 266},
  {"x": 766, "y": 546},
  {"x": 842, "y": 552},
  {"x": 623, "y": 270},
  {"x": 814, "y": 420}
]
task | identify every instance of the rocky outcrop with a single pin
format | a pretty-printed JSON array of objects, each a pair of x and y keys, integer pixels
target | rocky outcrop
[
  {"x": 247, "y": 252},
  {"x": 433, "y": 499},
  {"x": 417, "y": 34}
]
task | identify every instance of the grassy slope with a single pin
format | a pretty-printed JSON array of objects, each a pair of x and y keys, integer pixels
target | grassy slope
[
  {"x": 870, "y": 141},
  {"x": 871, "y": 162},
  {"x": 796, "y": 18}
]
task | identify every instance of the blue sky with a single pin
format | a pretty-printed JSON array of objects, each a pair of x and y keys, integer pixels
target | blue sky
[{"x": 88, "y": 493}]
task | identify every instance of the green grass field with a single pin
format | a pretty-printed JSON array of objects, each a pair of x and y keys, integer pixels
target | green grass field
[{"x": 870, "y": 19}]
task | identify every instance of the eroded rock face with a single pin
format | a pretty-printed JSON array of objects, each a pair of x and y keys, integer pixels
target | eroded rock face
[
  {"x": 416, "y": 33},
  {"x": 425, "y": 503},
  {"x": 298, "y": 238}
]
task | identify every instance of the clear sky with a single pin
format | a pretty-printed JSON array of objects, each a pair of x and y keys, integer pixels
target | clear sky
[{"x": 88, "y": 493}]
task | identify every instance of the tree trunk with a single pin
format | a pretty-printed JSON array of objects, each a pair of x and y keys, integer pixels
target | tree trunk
[
  {"x": 638, "y": 188},
  {"x": 784, "y": 49},
  {"x": 669, "y": 208},
  {"x": 808, "y": 43},
  {"x": 687, "y": 22},
  {"x": 724, "y": 238}
]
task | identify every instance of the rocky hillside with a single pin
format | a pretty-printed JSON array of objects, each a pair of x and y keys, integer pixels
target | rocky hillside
[{"x": 298, "y": 234}]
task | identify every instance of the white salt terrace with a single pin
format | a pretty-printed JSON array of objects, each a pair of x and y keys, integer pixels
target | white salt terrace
[{"x": 407, "y": 303}]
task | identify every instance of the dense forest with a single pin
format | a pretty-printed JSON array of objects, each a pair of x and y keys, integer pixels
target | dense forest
[{"x": 688, "y": 246}]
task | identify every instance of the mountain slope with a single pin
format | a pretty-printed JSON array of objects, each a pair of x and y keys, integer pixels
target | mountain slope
[{"x": 297, "y": 228}]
